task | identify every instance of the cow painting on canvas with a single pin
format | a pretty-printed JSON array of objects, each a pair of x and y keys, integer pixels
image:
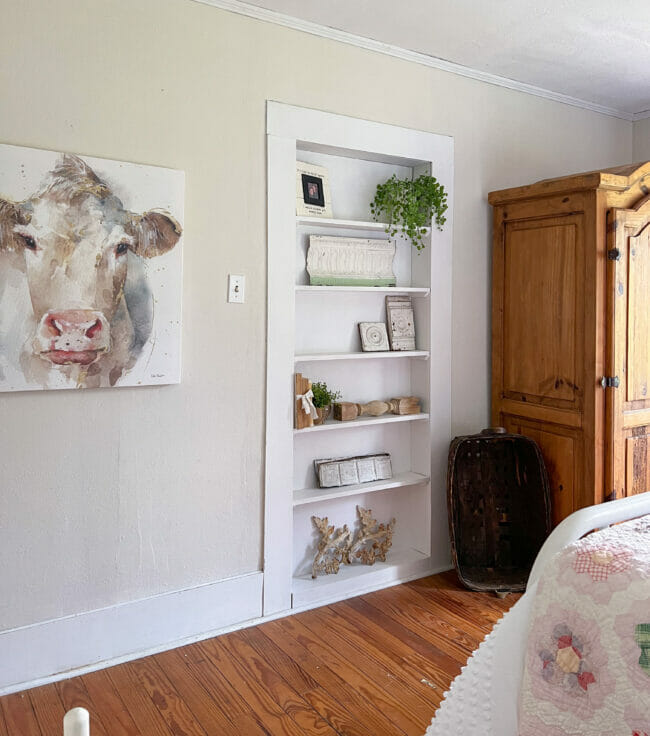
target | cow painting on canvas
[{"x": 78, "y": 286}]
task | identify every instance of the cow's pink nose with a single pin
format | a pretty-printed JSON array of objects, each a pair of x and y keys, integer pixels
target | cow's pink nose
[
  {"x": 85, "y": 322},
  {"x": 72, "y": 336},
  {"x": 61, "y": 326}
]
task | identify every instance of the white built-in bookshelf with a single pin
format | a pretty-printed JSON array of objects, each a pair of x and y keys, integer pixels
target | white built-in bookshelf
[{"x": 313, "y": 330}]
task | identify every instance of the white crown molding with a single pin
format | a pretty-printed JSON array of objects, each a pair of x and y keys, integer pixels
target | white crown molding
[{"x": 288, "y": 21}]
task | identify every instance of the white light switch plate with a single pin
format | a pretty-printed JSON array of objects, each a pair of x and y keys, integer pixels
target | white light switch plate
[{"x": 236, "y": 286}]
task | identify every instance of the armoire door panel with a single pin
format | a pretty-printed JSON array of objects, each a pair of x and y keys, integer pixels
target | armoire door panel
[
  {"x": 637, "y": 463},
  {"x": 543, "y": 311},
  {"x": 637, "y": 384},
  {"x": 636, "y": 418},
  {"x": 562, "y": 455},
  {"x": 628, "y": 350}
]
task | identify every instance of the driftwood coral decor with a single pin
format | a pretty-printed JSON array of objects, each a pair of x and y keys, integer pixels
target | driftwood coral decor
[
  {"x": 338, "y": 547},
  {"x": 333, "y": 547},
  {"x": 373, "y": 540},
  {"x": 345, "y": 411}
]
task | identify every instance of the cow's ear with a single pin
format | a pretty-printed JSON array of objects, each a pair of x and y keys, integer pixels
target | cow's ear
[
  {"x": 10, "y": 216},
  {"x": 155, "y": 233}
]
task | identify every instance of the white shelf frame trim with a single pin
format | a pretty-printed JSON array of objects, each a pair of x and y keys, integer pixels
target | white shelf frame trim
[
  {"x": 379, "y": 355},
  {"x": 290, "y": 128},
  {"x": 334, "y": 425},
  {"x": 357, "y": 578},
  {"x": 399, "y": 480},
  {"x": 416, "y": 291},
  {"x": 332, "y": 222}
]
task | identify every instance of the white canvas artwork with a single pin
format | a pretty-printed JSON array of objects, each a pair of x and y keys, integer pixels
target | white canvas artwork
[{"x": 90, "y": 271}]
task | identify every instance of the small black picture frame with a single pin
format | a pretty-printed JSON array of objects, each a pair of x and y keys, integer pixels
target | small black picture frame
[{"x": 312, "y": 190}]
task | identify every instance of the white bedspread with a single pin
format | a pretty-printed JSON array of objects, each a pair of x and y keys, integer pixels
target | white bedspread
[{"x": 482, "y": 699}]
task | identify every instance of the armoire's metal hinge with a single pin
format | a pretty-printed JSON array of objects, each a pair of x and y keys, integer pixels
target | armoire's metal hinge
[
  {"x": 610, "y": 382},
  {"x": 613, "y": 254}
]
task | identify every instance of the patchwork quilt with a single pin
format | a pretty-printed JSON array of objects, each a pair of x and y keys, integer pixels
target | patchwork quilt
[{"x": 587, "y": 669}]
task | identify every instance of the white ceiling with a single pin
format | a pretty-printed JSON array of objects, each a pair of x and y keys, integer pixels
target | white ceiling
[{"x": 594, "y": 50}]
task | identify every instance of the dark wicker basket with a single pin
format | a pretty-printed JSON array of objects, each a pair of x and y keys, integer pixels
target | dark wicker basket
[{"x": 499, "y": 508}]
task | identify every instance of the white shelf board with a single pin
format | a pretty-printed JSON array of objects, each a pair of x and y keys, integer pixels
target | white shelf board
[
  {"x": 333, "y": 424},
  {"x": 412, "y": 290},
  {"x": 400, "y": 480},
  {"x": 333, "y": 222},
  {"x": 319, "y": 357},
  {"x": 357, "y": 578}
]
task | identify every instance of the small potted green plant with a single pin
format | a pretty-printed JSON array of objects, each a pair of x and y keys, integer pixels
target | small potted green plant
[
  {"x": 323, "y": 399},
  {"x": 410, "y": 206}
]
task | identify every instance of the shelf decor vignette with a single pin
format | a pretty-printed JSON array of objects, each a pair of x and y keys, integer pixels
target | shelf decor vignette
[
  {"x": 313, "y": 197},
  {"x": 337, "y": 261},
  {"x": 401, "y": 322},
  {"x": 346, "y": 471},
  {"x": 374, "y": 337},
  {"x": 346, "y": 411},
  {"x": 338, "y": 547}
]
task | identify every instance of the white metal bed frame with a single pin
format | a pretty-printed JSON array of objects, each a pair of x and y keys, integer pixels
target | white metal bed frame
[
  {"x": 482, "y": 700},
  {"x": 76, "y": 722}
]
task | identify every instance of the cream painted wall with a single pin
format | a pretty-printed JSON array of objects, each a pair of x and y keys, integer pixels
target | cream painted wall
[
  {"x": 119, "y": 494},
  {"x": 642, "y": 140}
]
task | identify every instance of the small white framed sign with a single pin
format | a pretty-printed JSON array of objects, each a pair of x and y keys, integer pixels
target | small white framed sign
[{"x": 313, "y": 197}]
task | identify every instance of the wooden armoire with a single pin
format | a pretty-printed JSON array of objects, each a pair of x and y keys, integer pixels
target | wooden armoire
[{"x": 571, "y": 329}]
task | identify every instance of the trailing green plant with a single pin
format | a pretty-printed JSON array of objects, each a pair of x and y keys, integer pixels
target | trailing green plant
[
  {"x": 410, "y": 206},
  {"x": 322, "y": 395}
]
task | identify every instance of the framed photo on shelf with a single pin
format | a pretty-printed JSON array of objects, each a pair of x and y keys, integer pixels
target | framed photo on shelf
[{"x": 312, "y": 191}]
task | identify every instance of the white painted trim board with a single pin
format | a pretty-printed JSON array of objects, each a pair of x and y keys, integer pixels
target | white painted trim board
[
  {"x": 289, "y": 128},
  {"x": 53, "y": 650},
  {"x": 333, "y": 34},
  {"x": 31, "y": 636}
]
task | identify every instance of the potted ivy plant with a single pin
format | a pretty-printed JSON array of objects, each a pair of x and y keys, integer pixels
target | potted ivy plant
[
  {"x": 323, "y": 399},
  {"x": 410, "y": 206}
]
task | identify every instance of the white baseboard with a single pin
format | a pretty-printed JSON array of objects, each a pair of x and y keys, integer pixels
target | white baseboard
[
  {"x": 68, "y": 647},
  {"x": 45, "y": 652},
  {"x": 423, "y": 572}
]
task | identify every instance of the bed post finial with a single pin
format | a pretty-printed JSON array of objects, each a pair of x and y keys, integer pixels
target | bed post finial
[{"x": 76, "y": 722}]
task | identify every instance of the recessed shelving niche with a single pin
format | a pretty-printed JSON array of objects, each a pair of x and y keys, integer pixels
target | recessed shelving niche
[{"x": 313, "y": 329}]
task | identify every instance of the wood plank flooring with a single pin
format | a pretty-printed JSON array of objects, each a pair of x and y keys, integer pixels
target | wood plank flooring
[{"x": 375, "y": 665}]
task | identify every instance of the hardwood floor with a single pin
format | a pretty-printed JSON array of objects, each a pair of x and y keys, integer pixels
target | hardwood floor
[{"x": 375, "y": 665}]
